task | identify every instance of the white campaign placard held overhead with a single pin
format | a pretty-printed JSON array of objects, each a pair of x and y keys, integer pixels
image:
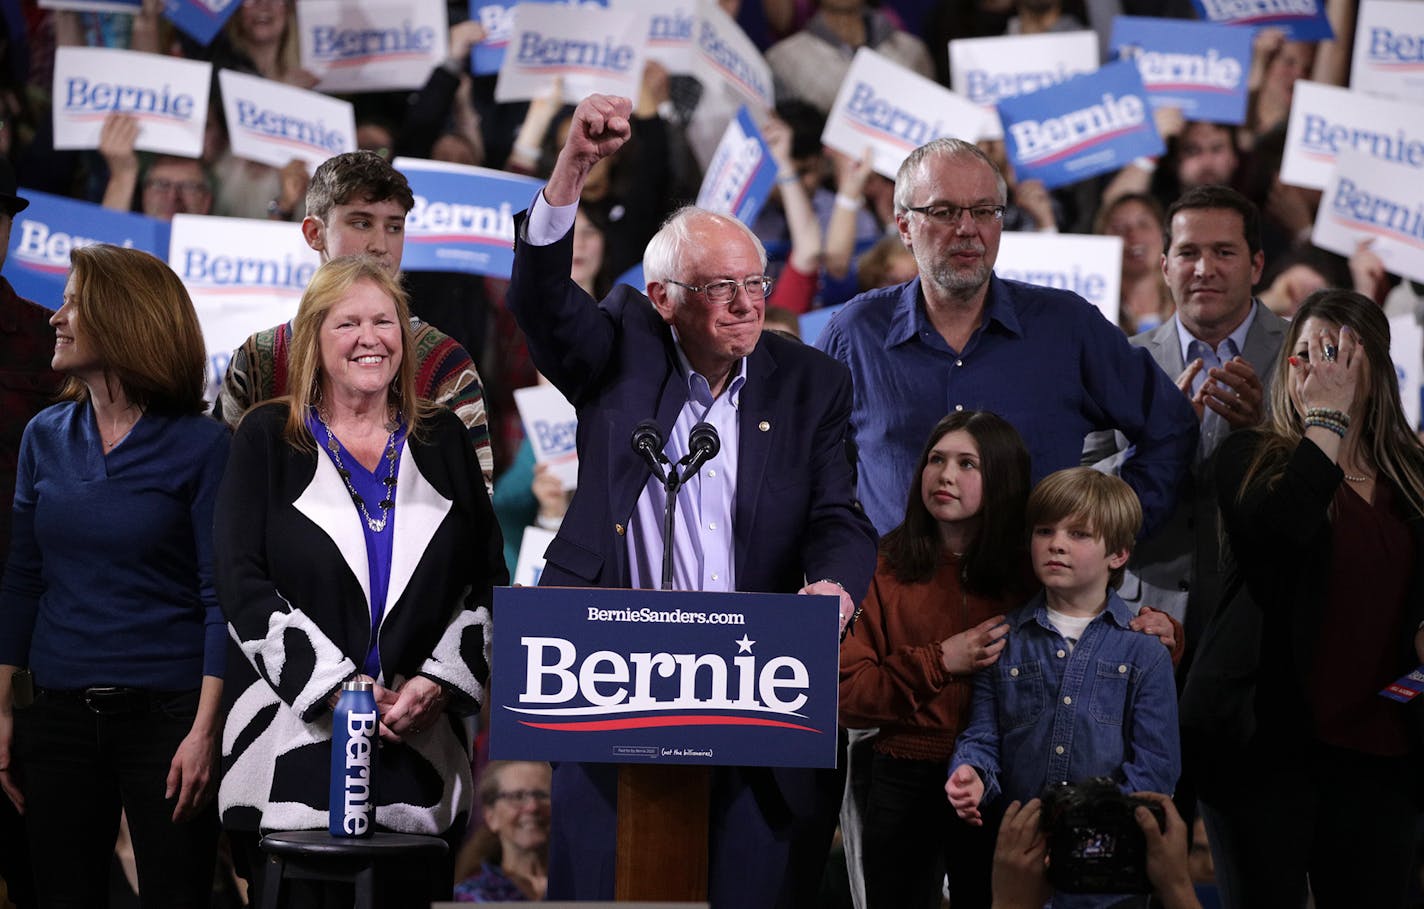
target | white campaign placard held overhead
[
  {"x": 372, "y": 45},
  {"x": 726, "y": 61},
  {"x": 243, "y": 276},
  {"x": 1389, "y": 50},
  {"x": 592, "y": 48},
  {"x": 1325, "y": 119},
  {"x": 550, "y": 425},
  {"x": 272, "y": 123},
  {"x": 1090, "y": 266},
  {"x": 167, "y": 95},
  {"x": 893, "y": 111},
  {"x": 1377, "y": 201},
  {"x": 987, "y": 69}
]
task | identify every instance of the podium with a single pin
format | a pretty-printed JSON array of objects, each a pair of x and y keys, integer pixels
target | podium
[{"x": 668, "y": 685}]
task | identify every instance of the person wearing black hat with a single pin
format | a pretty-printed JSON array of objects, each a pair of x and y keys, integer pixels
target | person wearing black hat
[{"x": 27, "y": 385}]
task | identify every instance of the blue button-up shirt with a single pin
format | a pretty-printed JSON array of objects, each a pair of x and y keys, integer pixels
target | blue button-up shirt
[
  {"x": 702, "y": 535},
  {"x": 1044, "y": 359},
  {"x": 1045, "y": 713}
]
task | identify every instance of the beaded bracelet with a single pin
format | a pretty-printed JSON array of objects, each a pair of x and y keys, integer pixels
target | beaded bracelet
[
  {"x": 1338, "y": 416},
  {"x": 1334, "y": 426}
]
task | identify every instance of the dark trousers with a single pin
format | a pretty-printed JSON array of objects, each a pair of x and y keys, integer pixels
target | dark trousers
[
  {"x": 1341, "y": 819},
  {"x": 79, "y": 769},
  {"x": 913, "y": 838}
]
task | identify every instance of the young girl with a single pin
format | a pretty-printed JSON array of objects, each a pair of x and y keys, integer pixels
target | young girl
[{"x": 934, "y": 616}]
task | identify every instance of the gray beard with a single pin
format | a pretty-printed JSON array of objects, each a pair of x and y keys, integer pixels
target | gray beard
[{"x": 959, "y": 282}]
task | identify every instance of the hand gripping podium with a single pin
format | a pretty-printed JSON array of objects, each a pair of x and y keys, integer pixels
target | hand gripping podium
[{"x": 667, "y": 685}]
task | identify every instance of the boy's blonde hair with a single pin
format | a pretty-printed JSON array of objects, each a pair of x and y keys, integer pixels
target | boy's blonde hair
[{"x": 1104, "y": 504}]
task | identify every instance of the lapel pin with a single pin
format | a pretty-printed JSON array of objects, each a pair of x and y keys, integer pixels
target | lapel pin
[{"x": 764, "y": 426}]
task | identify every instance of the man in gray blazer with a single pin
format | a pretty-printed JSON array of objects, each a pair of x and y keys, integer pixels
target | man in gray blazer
[{"x": 1221, "y": 345}]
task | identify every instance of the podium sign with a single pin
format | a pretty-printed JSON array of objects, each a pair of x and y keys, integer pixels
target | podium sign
[{"x": 664, "y": 677}]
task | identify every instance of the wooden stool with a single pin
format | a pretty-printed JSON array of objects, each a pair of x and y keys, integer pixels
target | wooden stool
[{"x": 316, "y": 855}]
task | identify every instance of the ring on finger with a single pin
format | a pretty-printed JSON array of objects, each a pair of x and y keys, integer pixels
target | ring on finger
[{"x": 1331, "y": 352}]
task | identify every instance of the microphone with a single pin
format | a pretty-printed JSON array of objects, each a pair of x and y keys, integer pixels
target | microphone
[
  {"x": 704, "y": 444},
  {"x": 648, "y": 442}
]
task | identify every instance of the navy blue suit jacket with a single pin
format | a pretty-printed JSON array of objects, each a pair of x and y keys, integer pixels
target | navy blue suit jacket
[
  {"x": 796, "y": 520},
  {"x": 796, "y": 516}
]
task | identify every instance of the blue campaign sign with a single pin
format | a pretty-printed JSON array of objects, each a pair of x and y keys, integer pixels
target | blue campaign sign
[
  {"x": 630, "y": 676},
  {"x": 43, "y": 234},
  {"x": 1091, "y": 124},
  {"x": 1197, "y": 67},
  {"x": 742, "y": 172},
  {"x": 814, "y": 322},
  {"x": 200, "y": 20},
  {"x": 463, "y": 219},
  {"x": 1301, "y": 20}
]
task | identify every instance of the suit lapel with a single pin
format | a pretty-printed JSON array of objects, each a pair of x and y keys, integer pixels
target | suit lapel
[{"x": 757, "y": 409}]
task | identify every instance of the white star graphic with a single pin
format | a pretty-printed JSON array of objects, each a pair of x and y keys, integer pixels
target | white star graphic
[{"x": 745, "y": 644}]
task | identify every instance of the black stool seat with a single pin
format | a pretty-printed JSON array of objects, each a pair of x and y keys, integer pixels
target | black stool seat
[{"x": 317, "y": 855}]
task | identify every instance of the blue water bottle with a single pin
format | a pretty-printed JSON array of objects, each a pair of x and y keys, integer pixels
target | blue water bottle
[{"x": 353, "y": 760}]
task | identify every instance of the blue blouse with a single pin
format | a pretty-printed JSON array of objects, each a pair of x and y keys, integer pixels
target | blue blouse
[{"x": 109, "y": 577}]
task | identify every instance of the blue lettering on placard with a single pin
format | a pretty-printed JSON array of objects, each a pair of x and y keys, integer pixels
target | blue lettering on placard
[
  {"x": 1387, "y": 46},
  {"x": 81, "y": 94},
  {"x": 282, "y": 126},
  {"x": 555, "y": 438},
  {"x": 865, "y": 107},
  {"x": 985, "y": 87},
  {"x": 727, "y": 58},
  {"x": 203, "y": 267},
  {"x": 1088, "y": 285},
  {"x": 536, "y": 50},
  {"x": 1040, "y": 139},
  {"x": 1364, "y": 207},
  {"x": 332, "y": 43},
  {"x": 1323, "y": 136},
  {"x": 671, "y": 27}
]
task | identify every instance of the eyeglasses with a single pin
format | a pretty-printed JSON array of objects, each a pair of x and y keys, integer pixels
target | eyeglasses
[
  {"x": 983, "y": 215},
  {"x": 183, "y": 187},
  {"x": 722, "y": 292},
  {"x": 520, "y": 796}
]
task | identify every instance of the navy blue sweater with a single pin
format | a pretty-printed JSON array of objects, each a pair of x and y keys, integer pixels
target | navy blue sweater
[{"x": 109, "y": 579}]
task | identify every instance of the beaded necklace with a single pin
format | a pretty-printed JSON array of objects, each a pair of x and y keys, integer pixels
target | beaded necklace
[{"x": 387, "y": 504}]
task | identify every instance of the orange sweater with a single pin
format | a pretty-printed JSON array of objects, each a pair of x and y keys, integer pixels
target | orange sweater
[{"x": 891, "y": 672}]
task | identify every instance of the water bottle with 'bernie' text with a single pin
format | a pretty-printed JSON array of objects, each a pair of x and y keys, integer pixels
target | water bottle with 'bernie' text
[{"x": 353, "y": 761}]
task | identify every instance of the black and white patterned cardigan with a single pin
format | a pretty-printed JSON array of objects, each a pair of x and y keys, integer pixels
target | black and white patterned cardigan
[{"x": 293, "y": 582}]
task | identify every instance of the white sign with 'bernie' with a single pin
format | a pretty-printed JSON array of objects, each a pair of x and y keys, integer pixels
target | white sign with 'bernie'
[
  {"x": 1378, "y": 201},
  {"x": 272, "y": 123},
  {"x": 1389, "y": 50},
  {"x": 987, "y": 69},
  {"x": 1090, "y": 266},
  {"x": 372, "y": 45},
  {"x": 168, "y": 96},
  {"x": 592, "y": 49},
  {"x": 243, "y": 276},
  {"x": 1325, "y": 120},
  {"x": 886, "y": 107}
]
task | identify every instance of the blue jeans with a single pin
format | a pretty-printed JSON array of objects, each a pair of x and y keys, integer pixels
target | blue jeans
[{"x": 79, "y": 768}]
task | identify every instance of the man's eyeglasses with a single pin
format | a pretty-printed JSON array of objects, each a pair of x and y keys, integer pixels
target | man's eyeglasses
[
  {"x": 520, "y": 796},
  {"x": 184, "y": 187},
  {"x": 983, "y": 215},
  {"x": 722, "y": 292}
]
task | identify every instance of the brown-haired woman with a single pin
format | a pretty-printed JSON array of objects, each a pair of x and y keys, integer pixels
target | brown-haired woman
[
  {"x": 355, "y": 538},
  {"x": 108, "y": 596},
  {"x": 1322, "y": 509}
]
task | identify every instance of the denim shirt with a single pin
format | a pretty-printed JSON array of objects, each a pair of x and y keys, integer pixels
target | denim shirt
[{"x": 1044, "y": 714}]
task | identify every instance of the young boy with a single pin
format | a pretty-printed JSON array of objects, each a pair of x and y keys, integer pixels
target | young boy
[{"x": 1076, "y": 693}]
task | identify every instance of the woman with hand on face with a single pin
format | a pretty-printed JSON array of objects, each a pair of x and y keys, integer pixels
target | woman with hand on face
[
  {"x": 355, "y": 540},
  {"x": 511, "y": 852},
  {"x": 108, "y": 597},
  {"x": 1322, "y": 508}
]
